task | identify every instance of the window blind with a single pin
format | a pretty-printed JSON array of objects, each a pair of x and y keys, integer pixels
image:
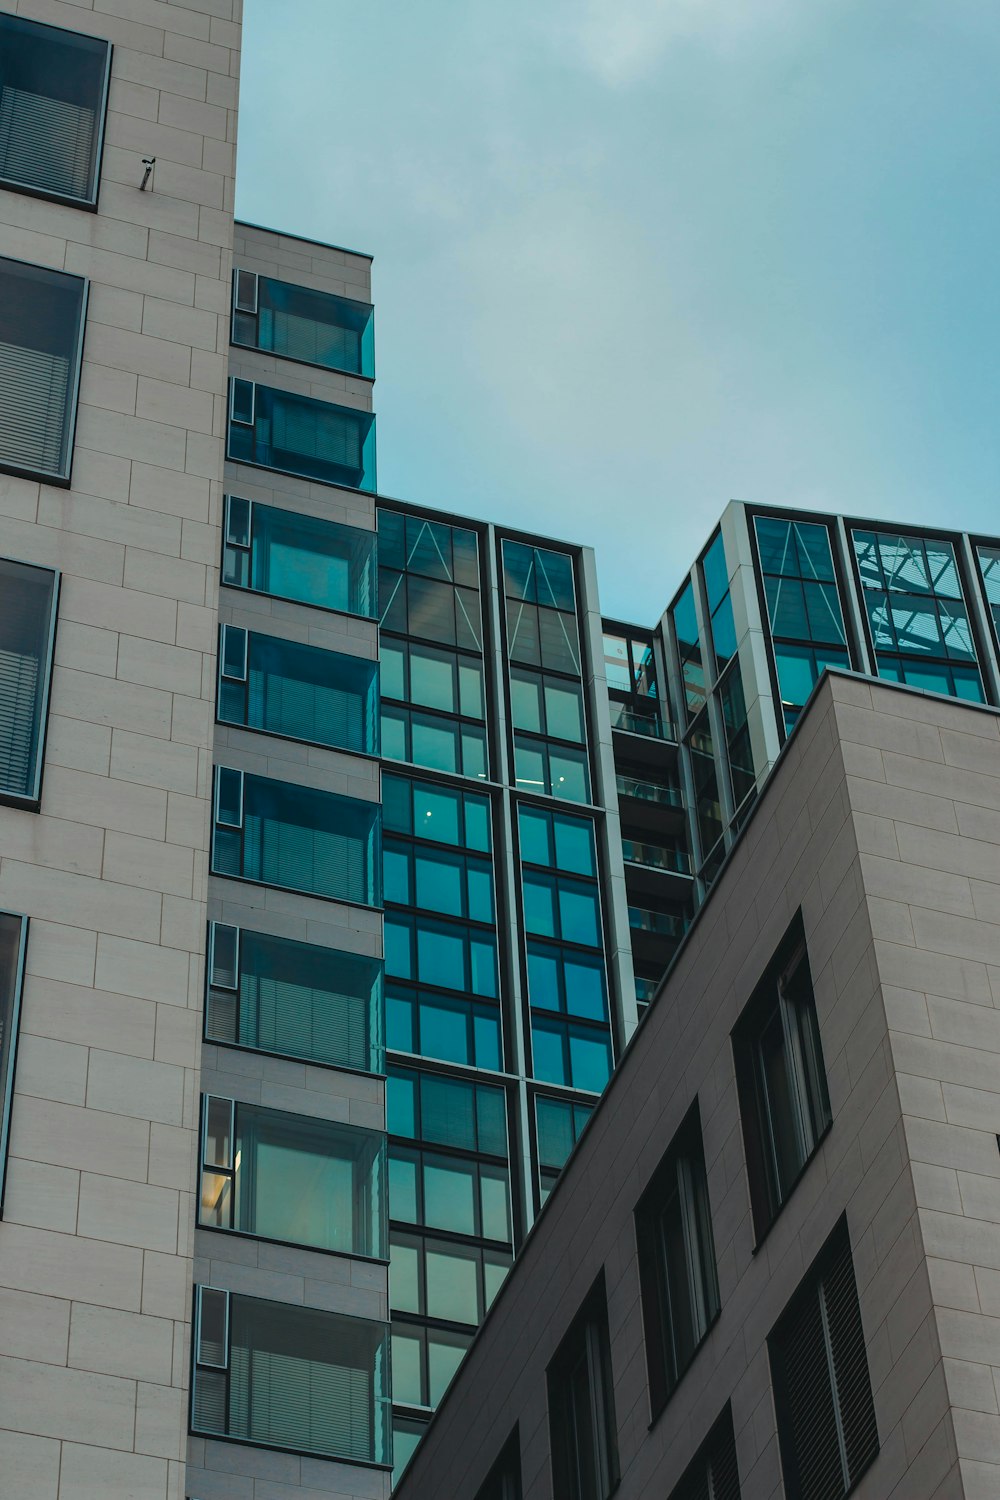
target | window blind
[
  {"x": 47, "y": 143},
  {"x": 33, "y": 394}
]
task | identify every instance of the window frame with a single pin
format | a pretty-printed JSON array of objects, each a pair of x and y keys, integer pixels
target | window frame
[
  {"x": 254, "y": 312},
  {"x": 32, "y": 800},
  {"x": 812, "y": 1117},
  {"x": 586, "y": 1342},
  {"x": 13, "y": 1031},
  {"x": 664, "y": 1367},
  {"x": 88, "y": 204},
  {"x": 59, "y": 479}
]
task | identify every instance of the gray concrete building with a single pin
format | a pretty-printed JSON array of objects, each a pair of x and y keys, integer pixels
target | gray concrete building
[{"x": 769, "y": 1265}]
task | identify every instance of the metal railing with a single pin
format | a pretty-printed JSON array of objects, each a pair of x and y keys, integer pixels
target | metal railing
[
  {"x": 648, "y": 791},
  {"x": 663, "y": 923},
  {"x": 650, "y": 725},
  {"x": 656, "y": 857}
]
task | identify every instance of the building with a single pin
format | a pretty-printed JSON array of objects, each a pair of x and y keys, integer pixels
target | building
[
  {"x": 770, "y": 1265},
  {"x": 343, "y": 842}
]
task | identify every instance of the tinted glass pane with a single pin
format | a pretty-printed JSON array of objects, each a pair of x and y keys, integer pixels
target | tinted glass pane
[
  {"x": 574, "y": 840},
  {"x": 590, "y": 1060},
  {"x": 563, "y": 710},
  {"x": 534, "y": 835},
  {"x": 41, "y": 315},
  {"x": 26, "y": 598}
]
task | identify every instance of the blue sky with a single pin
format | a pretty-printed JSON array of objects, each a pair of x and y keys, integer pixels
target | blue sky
[{"x": 636, "y": 257}]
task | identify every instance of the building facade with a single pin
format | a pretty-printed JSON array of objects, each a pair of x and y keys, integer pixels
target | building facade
[
  {"x": 343, "y": 842},
  {"x": 768, "y": 1268}
]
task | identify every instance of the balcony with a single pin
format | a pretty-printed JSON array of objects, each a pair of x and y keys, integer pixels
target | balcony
[
  {"x": 655, "y": 871},
  {"x": 655, "y": 935},
  {"x": 653, "y": 808},
  {"x": 662, "y": 923},
  {"x": 649, "y": 791},
  {"x": 650, "y": 726},
  {"x": 656, "y": 857},
  {"x": 296, "y": 434}
]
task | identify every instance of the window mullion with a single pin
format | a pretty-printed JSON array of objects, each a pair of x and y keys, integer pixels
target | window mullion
[{"x": 832, "y": 1372}]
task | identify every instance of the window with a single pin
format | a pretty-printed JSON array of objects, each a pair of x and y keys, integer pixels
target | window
[
  {"x": 630, "y": 665},
  {"x": 42, "y": 315},
  {"x": 448, "y": 955},
  {"x": 28, "y": 603},
  {"x": 424, "y": 1359},
  {"x": 283, "y": 1376},
  {"x": 314, "y": 562},
  {"x": 713, "y": 1474},
  {"x": 504, "y": 1479},
  {"x": 429, "y": 581},
  {"x": 738, "y": 744},
  {"x": 447, "y": 1028},
  {"x": 680, "y": 1292},
  {"x": 917, "y": 613},
  {"x": 555, "y": 770},
  {"x": 301, "y": 692},
  {"x": 582, "y": 1408},
  {"x": 570, "y": 1053},
  {"x": 450, "y": 686},
  {"x": 803, "y": 606},
  {"x": 300, "y": 435},
  {"x": 13, "y": 936},
  {"x": 288, "y": 1177},
  {"x": 547, "y": 705},
  {"x": 542, "y": 629},
  {"x": 296, "y": 837},
  {"x": 989, "y": 569},
  {"x": 406, "y": 1434},
  {"x": 299, "y": 323},
  {"x": 439, "y": 744},
  {"x": 708, "y": 807},
  {"x": 715, "y": 576},
  {"x": 685, "y": 622},
  {"x": 781, "y": 1080},
  {"x": 439, "y": 814},
  {"x": 438, "y": 880},
  {"x": 53, "y": 93},
  {"x": 275, "y": 994},
  {"x": 822, "y": 1388},
  {"x": 557, "y": 841},
  {"x": 558, "y": 1124}
]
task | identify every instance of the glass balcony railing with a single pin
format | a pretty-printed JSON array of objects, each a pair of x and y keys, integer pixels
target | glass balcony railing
[
  {"x": 645, "y": 989},
  {"x": 650, "y": 725},
  {"x": 656, "y": 857},
  {"x": 648, "y": 791},
  {"x": 662, "y": 923}
]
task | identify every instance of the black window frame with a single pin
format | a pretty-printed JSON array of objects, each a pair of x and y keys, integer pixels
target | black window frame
[
  {"x": 503, "y": 1482},
  {"x": 33, "y": 190},
  {"x": 9, "y": 1032},
  {"x": 32, "y": 797},
  {"x": 61, "y": 477},
  {"x": 680, "y": 1179},
  {"x": 808, "y": 1091},
  {"x": 585, "y": 1346},
  {"x": 713, "y": 1473},
  {"x": 827, "y": 1296}
]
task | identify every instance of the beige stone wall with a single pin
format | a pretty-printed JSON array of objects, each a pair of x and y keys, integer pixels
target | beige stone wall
[{"x": 96, "y": 1241}]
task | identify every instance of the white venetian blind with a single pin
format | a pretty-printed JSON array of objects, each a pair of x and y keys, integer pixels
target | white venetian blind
[
  {"x": 33, "y": 391},
  {"x": 46, "y": 143}
]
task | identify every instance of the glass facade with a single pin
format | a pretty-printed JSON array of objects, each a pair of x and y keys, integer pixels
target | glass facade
[
  {"x": 302, "y": 1181},
  {"x": 989, "y": 569},
  {"x": 300, "y": 558},
  {"x": 42, "y": 315},
  {"x": 803, "y": 606},
  {"x": 715, "y": 576},
  {"x": 558, "y": 1123},
  {"x": 53, "y": 94},
  {"x": 299, "y": 435},
  {"x": 295, "y": 999},
  {"x": 689, "y": 652},
  {"x": 297, "y": 837},
  {"x": 28, "y": 598},
  {"x": 451, "y": 1223},
  {"x": 299, "y": 692},
  {"x": 299, "y": 323},
  {"x": 285, "y": 1376},
  {"x": 917, "y": 613}
]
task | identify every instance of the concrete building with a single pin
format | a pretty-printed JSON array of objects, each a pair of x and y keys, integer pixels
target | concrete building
[
  {"x": 769, "y": 1268},
  {"x": 343, "y": 843}
]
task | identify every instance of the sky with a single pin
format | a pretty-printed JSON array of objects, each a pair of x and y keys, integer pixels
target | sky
[{"x": 636, "y": 258}]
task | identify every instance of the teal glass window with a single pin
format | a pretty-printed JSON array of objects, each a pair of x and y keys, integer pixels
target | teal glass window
[
  {"x": 803, "y": 606},
  {"x": 453, "y": 1112},
  {"x": 715, "y": 575},
  {"x": 435, "y": 880},
  {"x": 738, "y": 745},
  {"x": 542, "y": 629},
  {"x": 299, "y": 435},
  {"x": 302, "y": 558},
  {"x": 455, "y": 1194},
  {"x": 436, "y": 813},
  {"x": 447, "y": 955},
  {"x": 297, "y": 322},
  {"x": 276, "y": 994},
  {"x": 989, "y": 569},
  {"x": 570, "y": 1054},
  {"x": 286, "y": 1177},
  {"x": 302, "y": 692},
  {"x": 442, "y": 1280},
  {"x": 429, "y": 581},
  {"x": 444, "y": 1027},
  {"x": 53, "y": 98},
  {"x": 685, "y": 622},
  {"x": 556, "y": 907},
  {"x": 558, "y": 841},
  {"x": 297, "y": 837},
  {"x": 406, "y": 1435},
  {"x": 556, "y": 770},
  {"x": 630, "y": 665},
  {"x": 42, "y": 317},
  {"x": 558, "y": 1125},
  {"x": 13, "y": 937},
  {"x": 28, "y": 606},
  {"x": 916, "y": 609},
  {"x": 439, "y": 744},
  {"x": 303, "y": 1379},
  {"x": 429, "y": 677},
  {"x": 547, "y": 705},
  {"x": 708, "y": 808},
  {"x": 799, "y": 669},
  {"x": 560, "y": 979},
  {"x": 424, "y": 1361}
]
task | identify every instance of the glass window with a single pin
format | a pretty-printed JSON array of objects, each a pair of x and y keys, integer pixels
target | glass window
[
  {"x": 406, "y": 1435},
  {"x": 554, "y": 770},
  {"x": 542, "y": 629},
  {"x": 504, "y": 1480},
  {"x": 582, "y": 1427},
  {"x": 302, "y": 692},
  {"x": 569, "y": 1054},
  {"x": 558, "y": 1125},
  {"x": 275, "y": 994},
  {"x": 827, "y": 1430},
  {"x": 680, "y": 1293},
  {"x": 685, "y": 621},
  {"x": 784, "y": 1104},
  {"x": 448, "y": 955},
  {"x": 440, "y": 744},
  {"x": 431, "y": 678},
  {"x": 430, "y": 583},
  {"x": 300, "y": 323},
  {"x": 706, "y": 786},
  {"x": 28, "y": 599},
  {"x": 559, "y": 908},
  {"x": 288, "y": 1177},
  {"x": 298, "y": 1378},
  {"x": 714, "y": 1473},
  {"x": 436, "y": 813},
  {"x": 989, "y": 567},
  {"x": 916, "y": 610},
  {"x": 13, "y": 934},
  {"x": 41, "y": 340},
  {"x": 547, "y": 705},
  {"x": 738, "y": 744},
  {"x": 53, "y": 91},
  {"x": 715, "y": 574},
  {"x": 298, "y": 838},
  {"x": 799, "y": 669},
  {"x": 299, "y": 435},
  {"x": 315, "y": 562}
]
